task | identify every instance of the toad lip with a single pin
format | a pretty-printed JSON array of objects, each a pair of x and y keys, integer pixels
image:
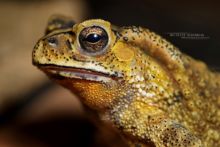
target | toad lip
[{"x": 77, "y": 73}]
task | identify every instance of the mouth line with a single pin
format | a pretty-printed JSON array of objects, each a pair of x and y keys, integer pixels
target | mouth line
[{"x": 76, "y": 73}]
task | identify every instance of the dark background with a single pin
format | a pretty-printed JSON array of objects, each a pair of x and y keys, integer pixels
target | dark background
[
  {"x": 169, "y": 16},
  {"x": 35, "y": 111}
]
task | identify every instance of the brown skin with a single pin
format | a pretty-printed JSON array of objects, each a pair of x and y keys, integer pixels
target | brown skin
[{"x": 137, "y": 81}]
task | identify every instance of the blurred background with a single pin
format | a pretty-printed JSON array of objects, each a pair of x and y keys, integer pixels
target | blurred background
[{"x": 35, "y": 111}]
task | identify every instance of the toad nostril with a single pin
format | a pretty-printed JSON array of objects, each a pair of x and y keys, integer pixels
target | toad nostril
[{"x": 52, "y": 41}]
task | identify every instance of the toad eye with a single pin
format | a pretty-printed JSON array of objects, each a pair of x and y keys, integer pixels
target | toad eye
[{"x": 93, "y": 40}]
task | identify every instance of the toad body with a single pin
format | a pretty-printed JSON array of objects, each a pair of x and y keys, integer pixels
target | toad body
[{"x": 141, "y": 84}]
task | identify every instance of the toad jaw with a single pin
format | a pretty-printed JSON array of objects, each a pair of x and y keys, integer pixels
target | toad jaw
[
  {"x": 77, "y": 73},
  {"x": 96, "y": 89}
]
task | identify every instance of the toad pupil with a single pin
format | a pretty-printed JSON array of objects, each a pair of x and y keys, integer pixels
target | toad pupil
[{"x": 92, "y": 38}]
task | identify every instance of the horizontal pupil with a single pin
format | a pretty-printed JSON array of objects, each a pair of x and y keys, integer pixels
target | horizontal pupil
[{"x": 93, "y": 38}]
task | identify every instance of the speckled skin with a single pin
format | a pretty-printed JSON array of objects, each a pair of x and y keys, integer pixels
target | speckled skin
[{"x": 153, "y": 93}]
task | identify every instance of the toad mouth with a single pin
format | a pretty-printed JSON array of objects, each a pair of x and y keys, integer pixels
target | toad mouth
[{"x": 59, "y": 72}]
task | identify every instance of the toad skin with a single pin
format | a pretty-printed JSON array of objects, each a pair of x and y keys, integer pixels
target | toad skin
[{"x": 134, "y": 79}]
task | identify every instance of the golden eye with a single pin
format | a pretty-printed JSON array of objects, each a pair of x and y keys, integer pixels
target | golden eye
[{"x": 93, "y": 40}]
